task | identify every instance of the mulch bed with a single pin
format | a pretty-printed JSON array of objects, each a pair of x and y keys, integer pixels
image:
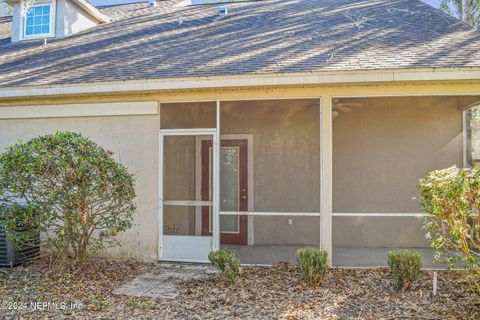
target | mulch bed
[{"x": 277, "y": 292}]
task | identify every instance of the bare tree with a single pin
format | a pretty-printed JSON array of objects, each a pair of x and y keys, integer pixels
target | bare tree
[
  {"x": 468, "y": 11},
  {"x": 5, "y": 8},
  {"x": 465, "y": 10}
]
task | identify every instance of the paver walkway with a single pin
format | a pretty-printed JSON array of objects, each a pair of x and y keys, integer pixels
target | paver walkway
[{"x": 158, "y": 283}]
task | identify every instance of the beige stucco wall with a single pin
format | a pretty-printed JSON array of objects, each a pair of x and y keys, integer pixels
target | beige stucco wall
[
  {"x": 72, "y": 19},
  {"x": 380, "y": 151},
  {"x": 134, "y": 141}
]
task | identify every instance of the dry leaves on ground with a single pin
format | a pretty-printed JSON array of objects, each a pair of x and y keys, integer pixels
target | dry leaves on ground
[{"x": 261, "y": 293}]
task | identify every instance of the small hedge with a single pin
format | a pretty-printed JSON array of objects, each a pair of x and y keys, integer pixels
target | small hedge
[
  {"x": 405, "y": 265},
  {"x": 228, "y": 264},
  {"x": 313, "y": 265},
  {"x": 451, "y": 201}
]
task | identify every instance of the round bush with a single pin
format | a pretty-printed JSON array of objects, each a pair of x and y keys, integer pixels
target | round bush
[{"x": 82, "y": 196}]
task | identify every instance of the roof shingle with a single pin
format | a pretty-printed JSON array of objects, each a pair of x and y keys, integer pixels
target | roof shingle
[{"x": 259, "y": 37}]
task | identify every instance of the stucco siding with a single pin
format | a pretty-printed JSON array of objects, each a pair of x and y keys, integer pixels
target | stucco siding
[
  {"x": 134, "y": 141},
  {"x": 72, "y": 19}
]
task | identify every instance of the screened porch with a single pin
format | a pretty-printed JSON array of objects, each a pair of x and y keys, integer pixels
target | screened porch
[{"x": 248, "y": 175}]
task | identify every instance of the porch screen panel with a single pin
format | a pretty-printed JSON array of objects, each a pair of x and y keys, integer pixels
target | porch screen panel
[
  {"x": 182, "y": 197},
  {"x": 270, "y": 174},
  {"x": 381, "y": 148},
  {"x": 179, "y": 179},
  {"x": 188, "y": 115}
]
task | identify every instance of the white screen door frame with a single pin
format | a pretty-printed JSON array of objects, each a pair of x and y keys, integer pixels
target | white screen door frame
[{"x": 189, "y": 248}]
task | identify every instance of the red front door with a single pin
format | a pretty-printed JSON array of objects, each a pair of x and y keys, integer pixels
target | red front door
[{"x": 233, "y": 189}]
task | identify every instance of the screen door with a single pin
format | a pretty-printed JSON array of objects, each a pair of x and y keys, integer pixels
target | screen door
[{"x": 180, "y": 207}]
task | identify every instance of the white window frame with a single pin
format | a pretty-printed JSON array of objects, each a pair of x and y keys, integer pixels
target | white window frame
[{"x": 53, "y": 10}]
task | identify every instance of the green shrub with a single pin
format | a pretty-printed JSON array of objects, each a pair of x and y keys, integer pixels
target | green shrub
[
  {"x": 313, "y": 264},
  {"x": 23, "y": 233},
  {"x": 228, "y": 264},
  {"x": 405, "y": 265},
  {"x": 81, "y": 195},
  {"x": 451, "y": 201}
]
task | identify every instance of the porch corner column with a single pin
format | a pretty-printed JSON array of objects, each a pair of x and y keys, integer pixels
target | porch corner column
[
  {"x": 326, "y": 176},
  {"x": 216, "y": 182}
]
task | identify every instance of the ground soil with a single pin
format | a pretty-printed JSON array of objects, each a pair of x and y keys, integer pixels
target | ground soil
[{"x": 261, "y": 293}]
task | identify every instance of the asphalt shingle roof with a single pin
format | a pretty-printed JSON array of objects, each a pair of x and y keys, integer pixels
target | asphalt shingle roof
[{"x": 258, "y": 37}]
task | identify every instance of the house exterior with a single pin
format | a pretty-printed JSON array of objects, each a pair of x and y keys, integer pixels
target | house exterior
[{"x": 264, "y": 126}]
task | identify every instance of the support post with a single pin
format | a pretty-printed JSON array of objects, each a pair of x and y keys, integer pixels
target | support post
[
  {"x": 160, "y": 197},
  {"x": 467, "y": 138},
  {"x": 326, "y": 176},
  {"x": 216, "y": 183}
]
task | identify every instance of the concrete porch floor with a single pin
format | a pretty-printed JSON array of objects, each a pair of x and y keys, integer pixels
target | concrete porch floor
[{"x": 342, "y": 256}]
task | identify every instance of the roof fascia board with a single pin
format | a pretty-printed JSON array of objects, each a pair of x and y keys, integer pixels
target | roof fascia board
[
  {"x": 343, "y": 77},
  {"x": 91, "y": 10}
]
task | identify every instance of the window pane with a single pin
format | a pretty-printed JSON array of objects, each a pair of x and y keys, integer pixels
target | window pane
[
  {"x": 229, "y": 187},
  {"x": 38, "y": 20}
]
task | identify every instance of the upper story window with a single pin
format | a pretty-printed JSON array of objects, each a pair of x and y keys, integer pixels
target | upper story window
[{"x": 39, "y": 20}]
